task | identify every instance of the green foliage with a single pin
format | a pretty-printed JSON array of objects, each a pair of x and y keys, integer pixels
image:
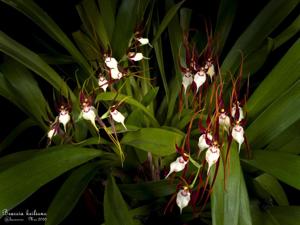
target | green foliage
[{"x": 158, "y": 119}]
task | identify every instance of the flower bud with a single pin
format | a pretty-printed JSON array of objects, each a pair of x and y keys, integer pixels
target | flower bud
[
  {"x": 118, "y": 117},
  {"x": 183, "y": 198},
  {"x": 103, "y": 83},
  {"x": 202, "y": 144},
  {"x": 177, "y": 166},
  {"x": 224, "y": 121},
  {"x": 241, "y": 113},
  {"x": 111, "y": 63},
  {"x": 199, "y": 79},
  {"x": 238, "y": 134},
  {"x": 211, "y": 71},
  {"x": 187, "y": 80},
  {"x": 212, "y": 156},
  {"x": 115, "y": 74},
  {"x": 90, "y": 113}
]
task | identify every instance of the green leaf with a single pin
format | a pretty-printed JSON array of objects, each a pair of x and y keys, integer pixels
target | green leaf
[
  {"x": 160, "y": 61},
  {"x": 108, "y": 10},
  {"x": 276, "y": 82},
  {"x": 109, "y": 96},
  {"x": 167, "y": 19},
  {"x": 287, "y": 215},
  {"x": 115, "y": 209},
  {"x": 257, "y": 32},
  {"x": 30, "y": 9},
  {"x": 226, "y": 201},
  {"x": 164, "y": 144},
  {"x": 261, "y": 217},
  {"x": 18, "y": 130},
  {"x": 272, "y": 187},
  {"x": 285, "y": 167},
  {"x": 288, "y": 33},
  {"x": 68, "y": 195},
  {"x": 288, "y": 141},
  {"x": 27, "y": 176},
  {"x": 148, "y": 190},
  {"x": 276, "y": 118},
  {"x": 25, "y": 88},
  {"x": 97, "y": 29},
  {"x": 226, "y": 14},
  {"x": 185, "y": 18},
  {"x": 124, "y": 27},
  {"x": 35, "y": 63}
]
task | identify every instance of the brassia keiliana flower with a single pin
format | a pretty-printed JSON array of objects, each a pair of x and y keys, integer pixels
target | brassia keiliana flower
[
  {"x": 117, "y": 116},
  {"x": 103, "y": 83},
  {"x": 177, "y": 166},
  {"x": 115, "y": 74},
  {"x": 88, "y": 111},
  {"x": 183, "y": 198},
  {"x": 237, "y": 134}
]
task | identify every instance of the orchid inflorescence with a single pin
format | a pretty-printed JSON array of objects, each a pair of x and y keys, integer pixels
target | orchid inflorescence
[
  {"x": 110, "y": 71},
  {"x": 223, "y": 125}
]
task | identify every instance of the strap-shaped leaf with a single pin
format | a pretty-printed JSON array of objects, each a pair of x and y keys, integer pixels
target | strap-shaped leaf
[
  {"x": 34, "y": 62},
  {"x": 257, "y": 31},
  {"x": 25, "y": 176},
  {"x": 109, "y": 96},
  {"x": 227, "y": 200},
  {"x": 272, "y": 187},
  {"x": 284, "y": 74},
  {"x": 30, "y": 9},
  {"x": 158, "y": 141},
  {"x": 70, "y": 192},
  {"x": 115, "y": 208},
  {"x": 286, "y": 167},
  {"x": 276, "y": 118}
]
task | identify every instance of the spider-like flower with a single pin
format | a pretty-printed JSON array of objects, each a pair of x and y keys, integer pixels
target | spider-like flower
[
  {"x": 177, "y": 166},
  {"x": 203, "y": 141},
  {"x": 183, "y": 198}
]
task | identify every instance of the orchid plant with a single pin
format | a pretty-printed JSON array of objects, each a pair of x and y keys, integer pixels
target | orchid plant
[{"x": 146, "y": 111}]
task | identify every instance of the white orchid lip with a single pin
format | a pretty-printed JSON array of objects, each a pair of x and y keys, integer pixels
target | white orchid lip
[
  {"x": 202, "y": 142},
  {"x": 111, "y": 62},
  {"x": 118, "y": 117},
  {"x": 143, "y": 41},
  {"x": 177, "y": 166},
  {"x": 136, "y": 56},
  {"x": 212, "y": 156},
  {"x": 115, "y": 74},
  {"x": 238, "y": 134},
  {"x": 199, "y": 79},
  {"x": 187, "y": 80},
  {"x": 64, "y": 118},
  {"x": 241, "y": 113},
  {"x": 183, "y": 198},
  {"x": 103, "y": 83}
]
